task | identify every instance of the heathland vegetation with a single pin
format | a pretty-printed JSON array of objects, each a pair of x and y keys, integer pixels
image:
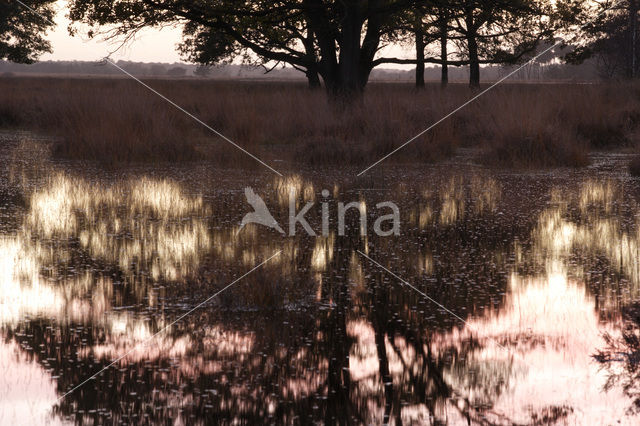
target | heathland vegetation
[
  {"x": 338, "y": 45},
  {"x": 515, "y": 125}
]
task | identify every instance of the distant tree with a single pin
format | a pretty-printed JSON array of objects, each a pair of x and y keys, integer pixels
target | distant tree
[
  {"x": 158, "y": 69},
  {"x": 176, "y": 72},
  {"x": 21, "y": 30},
  {"x": 202, "y": 71},
  {"x": 135, "y": 68}
]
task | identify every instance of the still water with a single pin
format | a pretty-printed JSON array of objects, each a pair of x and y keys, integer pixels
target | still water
[{"x": 522, "y": 275}]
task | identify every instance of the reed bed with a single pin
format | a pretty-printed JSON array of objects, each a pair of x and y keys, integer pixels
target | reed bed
[{"x": 516, "y": 125}]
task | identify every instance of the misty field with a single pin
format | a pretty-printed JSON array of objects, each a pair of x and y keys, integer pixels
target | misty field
[{"x": 117, "y": 121}]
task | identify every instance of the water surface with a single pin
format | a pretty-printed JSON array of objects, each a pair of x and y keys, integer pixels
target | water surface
[{"x": 523, "y": 274}]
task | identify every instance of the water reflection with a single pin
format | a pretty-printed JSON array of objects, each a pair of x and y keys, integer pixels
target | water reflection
[
  {"x": 93, "y": 268},
  {"x": 142, "y": 225},
  {"x": 25, "y": 291},
  {"x": 620, "y": 358},
  {"x": 597, "y": 222},
  {"x": 26, "y": 390},
  {"x": 448, "y": 200},
  {"x": 550, "y": 326},
  {"x": 293, "y": 185},
  {"x": 323, "y": 253}
]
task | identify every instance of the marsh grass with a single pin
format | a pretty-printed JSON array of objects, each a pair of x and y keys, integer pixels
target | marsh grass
[
  {"x": 117, "y": 121},
  {"x": 538, "y": 135}
]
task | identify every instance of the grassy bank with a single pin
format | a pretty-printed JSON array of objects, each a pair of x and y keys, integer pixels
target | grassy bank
[{"x": 118, "y": 121}]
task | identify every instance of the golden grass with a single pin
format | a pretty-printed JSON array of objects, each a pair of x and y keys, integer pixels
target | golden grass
[{"x": 516, "y": 125}]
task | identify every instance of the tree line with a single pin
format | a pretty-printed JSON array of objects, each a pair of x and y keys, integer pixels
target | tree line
[{"x": 339, "y": 43}]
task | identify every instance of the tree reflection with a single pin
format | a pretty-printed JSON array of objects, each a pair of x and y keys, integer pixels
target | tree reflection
[
  {"x": 287, "y": 366},
  {"x": 317, "y": 336},
  {"x": 620, "y": 357}
]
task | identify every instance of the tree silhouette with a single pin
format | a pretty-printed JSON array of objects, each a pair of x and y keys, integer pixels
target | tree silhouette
[
  {"x": 611, "y": 36},
  {"x": 625, "y": 351},
  {"x": 338, "y": 40},
  {"x": 21, "y": 30},
  {"x": 483, "y": 32}
]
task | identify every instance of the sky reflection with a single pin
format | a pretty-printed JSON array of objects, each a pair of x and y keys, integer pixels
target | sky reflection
[{"x": 95, "y": 268}]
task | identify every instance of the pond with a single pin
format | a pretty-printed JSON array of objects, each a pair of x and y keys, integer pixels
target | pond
[{"x": 487, "y": 308}]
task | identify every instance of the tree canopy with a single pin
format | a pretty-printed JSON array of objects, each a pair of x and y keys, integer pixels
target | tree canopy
[
  {"x": 610, "y": 35},
  {"x": 21, "y": 31},
  {"x": 340, "y": 41},
  {"x": 337, "y": 40}
]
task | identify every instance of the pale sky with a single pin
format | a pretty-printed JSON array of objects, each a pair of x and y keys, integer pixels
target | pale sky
[{"x": 150, "y": 46}]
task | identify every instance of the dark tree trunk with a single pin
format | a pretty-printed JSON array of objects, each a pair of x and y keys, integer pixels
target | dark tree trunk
[
  {"x": 633, "y": 33},
  {"x": 312, "y": 71},
  {"x": 349, "y": 69},
  {"x": 444, "y": 53},
  {"x": 420, "y": 46},
  {"x": 474, "y": 61},
  {"x": 472, "y": 47},
  {"x": 314, "y": 79},
  {"x": 346, "y": 75},
  {"x": 420, "y": 62},
  {"x": 343, "y": 84}
]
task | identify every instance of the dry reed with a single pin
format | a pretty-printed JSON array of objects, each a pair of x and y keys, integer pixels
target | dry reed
[{"x": 516, "y": 125}]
